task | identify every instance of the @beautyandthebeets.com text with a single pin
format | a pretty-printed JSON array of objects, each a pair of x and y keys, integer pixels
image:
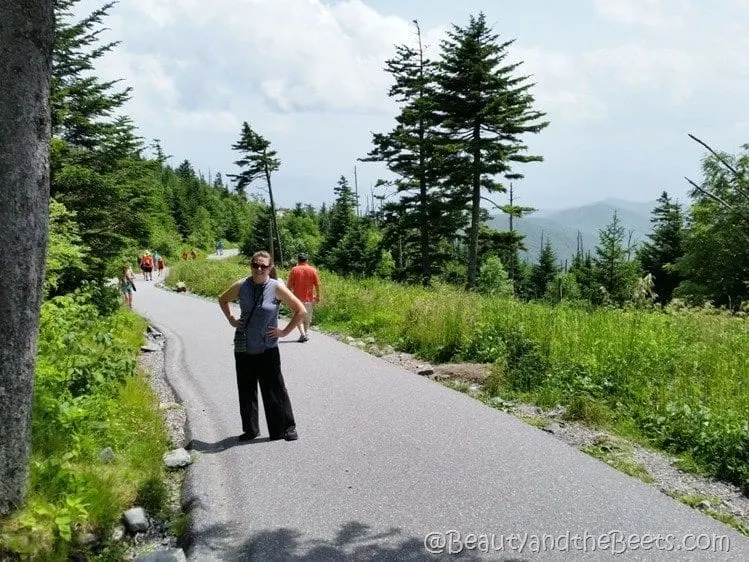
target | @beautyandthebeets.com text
[{"x": 614, "y": 542}]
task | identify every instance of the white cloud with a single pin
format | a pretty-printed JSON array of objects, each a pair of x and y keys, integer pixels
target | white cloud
[
  {"x": 649, "y": 13},
  {"x": 640, "y": 67},
  {"x": 562, "y": 89}
]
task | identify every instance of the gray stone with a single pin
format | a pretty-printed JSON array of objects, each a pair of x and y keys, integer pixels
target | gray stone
[
  {"x": 170, "y": 555},
  {"x": 177, "y": 458},
  {"x": 704, "y": 504},
  {"x": 136, "y": 520},
  {"x": 149, "y": 347},
  {"x": 106, "y": 455},
  {"x": 118, "y": 533},
  {"x": 553, "y": 428},
  {"x": 88, "y": 540},
  {"x": 169, "y": 406},
  {"x": 370, "y": 340}
]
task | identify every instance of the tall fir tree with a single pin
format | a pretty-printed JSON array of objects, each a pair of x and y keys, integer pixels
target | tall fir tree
[
  {"x": 612, "y": 271},
  {"x": 258, "y": 161},
  {"x": 485, "y": 109},
  {"x": 341, "y": 221},
  {"x": 660, "y": 255},
  {"x": 84, "y": 107},
  {"x": 545, "y": 271},
  {"x": 715, "y": 264},
  {"x": 411, "y": 151}
]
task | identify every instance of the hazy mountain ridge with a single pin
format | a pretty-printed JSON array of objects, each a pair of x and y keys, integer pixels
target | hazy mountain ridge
[{"x": 561, "y": 227}]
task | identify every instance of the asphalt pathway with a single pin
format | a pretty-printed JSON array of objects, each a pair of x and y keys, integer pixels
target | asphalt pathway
[{"x": 392, "y": 466}]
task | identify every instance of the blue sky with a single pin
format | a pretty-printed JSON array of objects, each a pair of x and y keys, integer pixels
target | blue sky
[{"x": 622, "y": 82}]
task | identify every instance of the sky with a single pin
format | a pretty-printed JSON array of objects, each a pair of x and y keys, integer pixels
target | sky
[{"x": 622, "y": 83}]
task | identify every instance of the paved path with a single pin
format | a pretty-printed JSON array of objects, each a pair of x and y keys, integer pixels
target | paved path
[
  {"x": 227, "y": 253},
  {"x": 385, "y": 457}
]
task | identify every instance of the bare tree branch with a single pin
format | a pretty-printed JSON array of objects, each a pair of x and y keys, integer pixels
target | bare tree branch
[{"x": 718, "y": 156}]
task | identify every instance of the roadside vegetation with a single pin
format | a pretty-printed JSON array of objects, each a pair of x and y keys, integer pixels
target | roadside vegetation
[
  {"x": 676, "y": 379},
  {"x": 89, "y": 396}
]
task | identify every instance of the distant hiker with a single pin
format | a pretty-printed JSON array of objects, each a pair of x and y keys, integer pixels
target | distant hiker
[
  {"x": 256, "y": 355},
  {"x": 127, "y": 285},
  {"x": 193, "y": 255},
  {"x": 184, "y": 256},
  {"x": 220, "y": 247},
  {"x": 160, "y": 265},
  {"x": 146, "y": 265},
  {"x": 304, "y": 282}
]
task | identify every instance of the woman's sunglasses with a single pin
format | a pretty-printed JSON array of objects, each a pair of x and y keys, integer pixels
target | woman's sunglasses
[{"x": 260, "y": 266}]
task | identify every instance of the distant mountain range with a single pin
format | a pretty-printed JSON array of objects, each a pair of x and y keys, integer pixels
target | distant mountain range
[{"x": 560, "y": 227}]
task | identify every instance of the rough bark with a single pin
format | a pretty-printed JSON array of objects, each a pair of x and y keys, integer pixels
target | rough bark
[{"x": 26, "y": 38}]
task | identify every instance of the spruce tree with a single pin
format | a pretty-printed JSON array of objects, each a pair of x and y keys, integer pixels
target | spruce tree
[
  {"x": 258, "y": 161},
  {"x": 660, "y": 255},
  {"x": 341, "y": 220},
  {"x": 545, "y": 271},
  {"x": 411, "y": 151},
  {"x": 612, "y": 271},
  {"x": 83, "y": 106},
  {"x": 485, "y": 109}
]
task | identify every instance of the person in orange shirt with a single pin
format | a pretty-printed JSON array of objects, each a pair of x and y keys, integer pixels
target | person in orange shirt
[{"x": 304, "y": 282}]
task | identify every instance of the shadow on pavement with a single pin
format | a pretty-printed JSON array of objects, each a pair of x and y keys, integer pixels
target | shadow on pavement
[
  {"x": 354, "y": 541},
  {"x": 223, "y": 445}
]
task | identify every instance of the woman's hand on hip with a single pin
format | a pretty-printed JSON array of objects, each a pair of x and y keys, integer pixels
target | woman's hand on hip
[{"x": 276, "y": 333}]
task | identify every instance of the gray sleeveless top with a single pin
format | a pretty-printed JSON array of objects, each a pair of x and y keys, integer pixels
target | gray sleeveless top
[{"x": 259, "y": 312}]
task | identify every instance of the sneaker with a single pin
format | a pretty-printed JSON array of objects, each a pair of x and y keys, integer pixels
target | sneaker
[
  {"x": 303, "y": 338},
  {"x": 290, "y": 435},
  {"x": 246, "y": 436}
]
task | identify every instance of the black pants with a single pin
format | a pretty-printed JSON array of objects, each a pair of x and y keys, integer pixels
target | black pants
[{"x": 263, "y": 368}]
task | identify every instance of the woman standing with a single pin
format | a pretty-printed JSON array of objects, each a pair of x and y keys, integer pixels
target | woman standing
[
  {"x": 127, "y": 284},
  {"x": 256, "y": 354}
]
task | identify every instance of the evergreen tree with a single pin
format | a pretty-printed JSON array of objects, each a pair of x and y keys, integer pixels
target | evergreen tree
[
  {"x": 544, "y": 272},
  {"x": 341, "y": 220},
  {"x": 83, "y": 107},
  {"x": 259, "y": 237},
  {"x": 258, "y": 161},
  {"x": 515, "y": 239},
  {"x": 612, "y": 272},
  {"x": 715, "y": 264},
  {"x": 411, "y": 151},
  {"x": 659, "y": 256},
  {"x": 582, "y": 271},
  {"x": 485, "y": 109}
]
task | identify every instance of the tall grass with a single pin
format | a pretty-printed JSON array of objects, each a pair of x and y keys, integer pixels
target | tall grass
[{"x": 678, "y": 381}]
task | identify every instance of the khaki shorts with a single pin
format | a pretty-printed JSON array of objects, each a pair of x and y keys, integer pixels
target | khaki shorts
[{"x": 308, "y": 317}]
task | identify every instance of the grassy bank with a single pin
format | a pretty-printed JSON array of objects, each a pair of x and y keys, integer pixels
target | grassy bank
[
  {"x": 88, "y": 396},
  {"x": 678, "y": 381}
]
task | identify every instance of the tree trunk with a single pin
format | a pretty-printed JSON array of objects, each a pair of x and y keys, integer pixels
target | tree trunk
[
  {"x": 473, "y": 240},
  {"x": 274, "y": 223},
  {"x": 26, "y": 39},
  {"x": 426, "y": 262}
]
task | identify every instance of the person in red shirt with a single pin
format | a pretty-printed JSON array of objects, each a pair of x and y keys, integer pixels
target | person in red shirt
[{"x": 304, "y": 282}]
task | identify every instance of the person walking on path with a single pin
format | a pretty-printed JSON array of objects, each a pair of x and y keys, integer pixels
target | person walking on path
[
  {"x": 304, "y": 282},
  {"x": 220, "y": 247},
  {"x": 256, "y": 354},
  {"x": 127, "y": 284},
  {"x": 160, "y": 265}
]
